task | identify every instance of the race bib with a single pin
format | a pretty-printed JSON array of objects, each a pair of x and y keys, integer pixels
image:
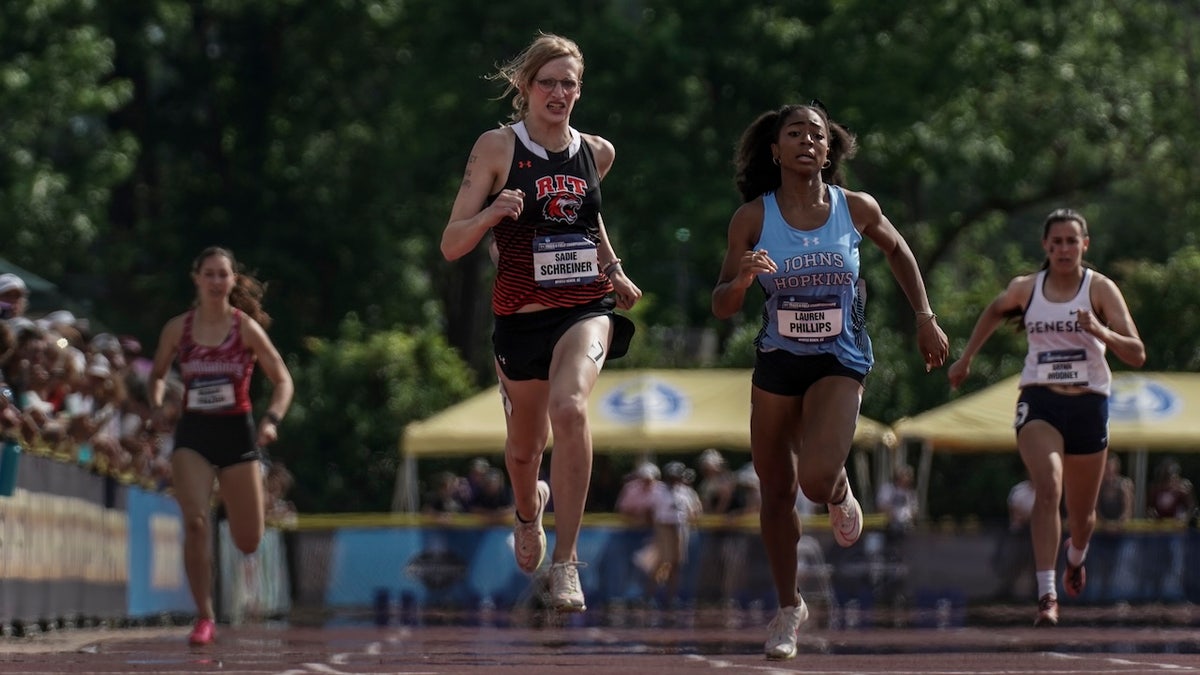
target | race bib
[
  {"x": 211, "y": 395},
  {"x": 564, "y": 260},
  {"x": 808, "y": 320},
  {"x": 1062, "y": 366}
]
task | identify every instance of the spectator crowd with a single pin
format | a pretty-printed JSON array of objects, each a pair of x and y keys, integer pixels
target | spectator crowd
[{"x": 81, "y": 396}]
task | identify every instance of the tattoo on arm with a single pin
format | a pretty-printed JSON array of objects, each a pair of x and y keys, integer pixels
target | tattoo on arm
[{"x": 466, "y": 183}]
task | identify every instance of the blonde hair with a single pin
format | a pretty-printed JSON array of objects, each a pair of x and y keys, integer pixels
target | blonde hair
[{"x": 518, "y": 73}]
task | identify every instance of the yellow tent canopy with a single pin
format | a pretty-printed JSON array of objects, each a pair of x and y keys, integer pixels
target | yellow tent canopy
[
  {"x": 630, "y": 411},
  {"x": 1148, "y": 412},
  {"x": 1152, "y": 411}
]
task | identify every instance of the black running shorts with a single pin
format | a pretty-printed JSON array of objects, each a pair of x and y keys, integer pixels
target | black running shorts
[
  {"x": 224, "y": 440},
  {"x": 523, "y": 343}
]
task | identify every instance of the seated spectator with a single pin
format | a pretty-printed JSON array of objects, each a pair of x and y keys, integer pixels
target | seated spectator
[
  {"x": 492, "y": 496},
  {"x": 1115, "y": 502},
  {"x": 717, "y": 482},
  {"x": 472, "y": 483},
  {"x": 10, "y": 415},
  {"x": 97, "y": 425},
  {"x": 1170, "y": 496},
  {"x": 31, "y": 382},
  {"x": 675, "y": 514},
  {"x": 640, "y": 494},
  {"x": 14, "y": 296},
  {"x": 278, "y": 483},
  {"x": 444, "y": 497}
]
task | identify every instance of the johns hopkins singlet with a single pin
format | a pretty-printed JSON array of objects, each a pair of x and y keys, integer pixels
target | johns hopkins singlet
[
  {"x": 216, "y": 380},
  {"x": 548, "y": 255},
  {"x": 1060, "y": 352},
  {"x": 813, "y": 306}
]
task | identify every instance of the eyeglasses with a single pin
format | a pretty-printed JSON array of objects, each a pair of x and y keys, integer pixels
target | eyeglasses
[{"x": 547, "y": 85}]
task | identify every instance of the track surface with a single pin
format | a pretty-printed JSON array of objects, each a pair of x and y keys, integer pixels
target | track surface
[{"x": 662, "y": 645}]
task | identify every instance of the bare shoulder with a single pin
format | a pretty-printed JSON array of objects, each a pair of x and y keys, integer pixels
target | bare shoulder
[
  {"x": 494, "y": 144},
  {"x": 1103, "y": 282},
  {"x": 751, "y": 210},
  {"x": 174, "y": 325},
  {"x": 1106, "y": 295},
  {"x": 860, "y": 199},
  {"x": 603, "y": 150},
  {"x": 1020, "y": 288},
  {"x": 252, "y": 330},
  {"x": 746, "y": 223},
  {"x": 864, "y": 209}
]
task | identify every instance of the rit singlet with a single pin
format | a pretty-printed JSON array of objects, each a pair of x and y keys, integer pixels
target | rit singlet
[
  {"x": 549, "y": 255},
  {"x": 216, "y": 380},
  {"x": 1060, "y": 352},
  {"x": 813, "y": 304}
]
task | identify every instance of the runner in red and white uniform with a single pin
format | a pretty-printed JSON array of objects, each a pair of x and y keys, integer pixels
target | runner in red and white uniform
[{"x": 217, "y": 344}]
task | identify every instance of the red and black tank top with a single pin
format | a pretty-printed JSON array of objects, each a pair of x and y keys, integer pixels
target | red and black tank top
[
  {"x": 549, "y": 256},
  {"x": 216, "y": 380}
]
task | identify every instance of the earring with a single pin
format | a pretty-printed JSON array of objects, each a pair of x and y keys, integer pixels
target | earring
[
  {"x": 827, "y": 164},
  {"x": 776, "y": 160}
]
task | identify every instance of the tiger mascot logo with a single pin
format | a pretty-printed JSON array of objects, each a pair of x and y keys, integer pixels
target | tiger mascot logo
[{"x": 562, "y": 207}]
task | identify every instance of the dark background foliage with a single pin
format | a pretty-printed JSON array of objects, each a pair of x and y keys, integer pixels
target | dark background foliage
[{"x": 323, "y": 142}]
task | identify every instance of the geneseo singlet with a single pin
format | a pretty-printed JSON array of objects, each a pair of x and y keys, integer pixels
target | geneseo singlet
[
  {"x": 813, "y": 305},
  {"x": 549, "y": 255},
  {"x": 1060, "y": 352},
  {"x": 216, "y": 380}
]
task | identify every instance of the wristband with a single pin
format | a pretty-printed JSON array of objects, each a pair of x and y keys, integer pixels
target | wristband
[
  {"x": 608, "y": 269},
  {"x": 272, "y": 417},
  {"x": 928, "y": 316}
]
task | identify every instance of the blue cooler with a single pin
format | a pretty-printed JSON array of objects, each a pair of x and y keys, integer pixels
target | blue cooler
[{"x": 10, "y": 462}]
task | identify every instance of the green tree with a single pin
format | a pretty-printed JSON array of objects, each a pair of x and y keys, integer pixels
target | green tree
[
  {"x": 358, "y": 391},
  {"x": 59, "y": 159}
]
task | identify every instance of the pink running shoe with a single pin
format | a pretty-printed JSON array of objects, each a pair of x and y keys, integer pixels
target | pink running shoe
[{"x": 203, "y": 633}]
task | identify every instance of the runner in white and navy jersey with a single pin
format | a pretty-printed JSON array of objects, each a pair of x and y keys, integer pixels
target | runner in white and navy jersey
[{"x": 1072, "y": 316}]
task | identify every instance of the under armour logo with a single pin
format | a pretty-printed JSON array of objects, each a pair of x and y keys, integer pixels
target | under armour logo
[
  {"x": 524, "y": 164},
  {"x": 812, "y": 241}
]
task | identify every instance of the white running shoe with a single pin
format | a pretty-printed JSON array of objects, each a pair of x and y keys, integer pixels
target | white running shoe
[
  {"x": 529, "y": 539},
  {"x": 846, "y": 519},
  {"x": 566, "y": 594},
  {"x": 782, "y": 631}
]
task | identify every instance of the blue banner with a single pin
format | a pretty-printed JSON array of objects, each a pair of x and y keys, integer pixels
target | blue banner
[
  {"x": 467, "y": 568},
  {"x": 157, "y": 581}
]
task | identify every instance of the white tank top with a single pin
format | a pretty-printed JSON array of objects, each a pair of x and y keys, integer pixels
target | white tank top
[{"x": 1060, "y": 352}]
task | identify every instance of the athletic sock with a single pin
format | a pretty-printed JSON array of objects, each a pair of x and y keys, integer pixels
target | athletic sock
[
  {"x": 1076, "y": 556},
  {"x": 1045, "y": 583}
]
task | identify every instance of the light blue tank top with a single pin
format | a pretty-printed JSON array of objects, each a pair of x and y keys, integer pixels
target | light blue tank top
[{"x": 814, "y": 304}]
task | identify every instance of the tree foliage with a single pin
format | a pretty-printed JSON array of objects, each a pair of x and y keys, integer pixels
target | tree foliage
[
  {"x": 324, "y": 140},
  {"x": 358, "y": 389}
]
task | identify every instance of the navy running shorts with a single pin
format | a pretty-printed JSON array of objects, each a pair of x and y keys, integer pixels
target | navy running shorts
[
  {"x": 1082, "y": 419},
  {"x": 786, "y": 374}
]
